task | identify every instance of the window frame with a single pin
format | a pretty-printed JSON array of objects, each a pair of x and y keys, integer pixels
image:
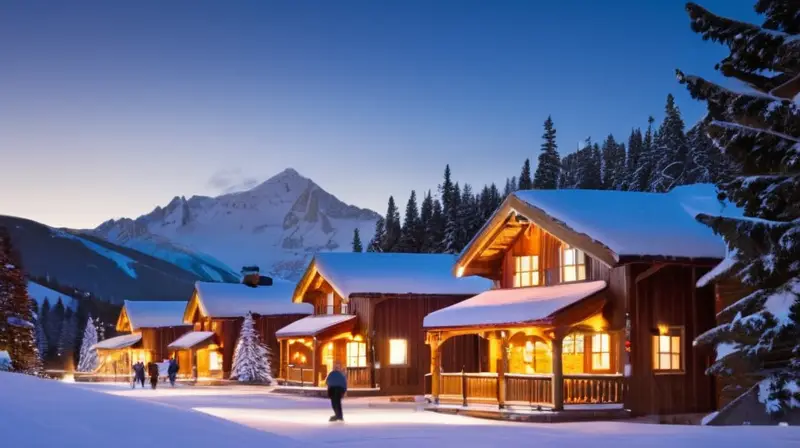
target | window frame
[
  {"x": 330, "y": 304},
  {"x": 571, "y": 340},
  {"x": 595, "y": 352},
  {"x": 672, "y": 332},
  {"x": 578, "y": 265},
  {"x": 533, "y": 273},
  {"x": 405, "y": 355},
  {"x": 361, "y": 353}
]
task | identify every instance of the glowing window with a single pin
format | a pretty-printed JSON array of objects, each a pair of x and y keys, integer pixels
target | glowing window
[
  {"x": 573, "y": 265},
  {"x": 573, "y": 344},
  {"x": 329, "y": 303},
  {"x": 667, "y": 350},
  {"x": 398, "y": 352},
  {"x": 356, "y": 354},
  {"x": 526, "y": 272},
  {"x": 601, "y": 351},
  {"x": 214, "y": 361}
]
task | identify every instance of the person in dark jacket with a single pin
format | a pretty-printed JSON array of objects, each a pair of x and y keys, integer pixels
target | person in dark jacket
[
  {"x": 337, "y": 387},
  {"x": 152, "y": 369},
  {"x": 138, "y": 373},
  {"x": 172, "y": 371}
]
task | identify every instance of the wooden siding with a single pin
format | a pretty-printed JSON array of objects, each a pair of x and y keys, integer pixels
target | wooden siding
[
  {"x": 401, "y": 318},
  {"x": 156, "y": 340},
  {"x": 267, "y": 326},
  {"x": 669, "y": 297},
  {"x": 533, "y": 241}
]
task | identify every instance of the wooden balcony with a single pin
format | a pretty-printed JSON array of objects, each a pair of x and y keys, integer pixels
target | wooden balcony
[{"x": 527, "y": 390}]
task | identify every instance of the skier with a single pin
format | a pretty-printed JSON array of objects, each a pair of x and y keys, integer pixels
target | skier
[
  {"x": 152, "y": 369},
  {"x": 138, "y": 373},
  {"x": 337, "y": 387},
  {"x": 172, "y": 370}
]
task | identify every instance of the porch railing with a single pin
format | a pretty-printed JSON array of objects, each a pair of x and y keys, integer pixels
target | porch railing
[
  {"x": 358, "y": 377},
  {"x": 593, "y": 389},
  {"x": 302, "y": 375},
  {"x": 530, "y": 390}
]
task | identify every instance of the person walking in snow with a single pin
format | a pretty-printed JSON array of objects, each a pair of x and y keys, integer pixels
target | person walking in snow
[
  {"x": 337, "y": 387},
  {"x": 152, "y": 369},
  {"x": 172, "y": 370},
  {"x": 138, "y": 373}
]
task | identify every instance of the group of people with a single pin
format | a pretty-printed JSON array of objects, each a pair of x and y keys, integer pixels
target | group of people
[{"x": 153, "y": 372}]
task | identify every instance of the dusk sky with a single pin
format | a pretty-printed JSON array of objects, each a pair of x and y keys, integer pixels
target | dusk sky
[{"x": 109, "y": 108}]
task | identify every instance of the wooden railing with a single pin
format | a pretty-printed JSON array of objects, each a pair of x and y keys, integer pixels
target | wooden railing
[
  {"x": 358, "y": 377},
  {"x": 532, "y": 390},
  {"x": 302, "y": 375},
  {"x": 593, "y": 389}
]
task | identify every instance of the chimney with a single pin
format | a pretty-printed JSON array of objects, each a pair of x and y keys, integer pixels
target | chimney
[{"x": 250, "y": 276}]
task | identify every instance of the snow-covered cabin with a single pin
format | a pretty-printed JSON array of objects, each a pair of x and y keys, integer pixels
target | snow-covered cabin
[
  {"x": 368, "y": 311},
  {"x": 595, "y": 302},
  {"x": 216, "y": 312},
  {"x": 148, "y": 327}
]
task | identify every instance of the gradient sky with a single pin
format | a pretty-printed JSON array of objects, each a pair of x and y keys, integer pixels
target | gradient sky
[{"x": 109, "y": 108}]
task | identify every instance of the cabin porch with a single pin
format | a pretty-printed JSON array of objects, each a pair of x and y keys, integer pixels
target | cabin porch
[{"x": 199, "y": 355}]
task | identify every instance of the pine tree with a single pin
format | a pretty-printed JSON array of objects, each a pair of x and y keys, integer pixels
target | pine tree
[
  {"x": 55, "y": 319},
  {"x": 392, "y": 227},
  {"x": 357, "y": 241},
  {"x": 704, "y": 163},
  {"x": 613, "y": 164},
  {"x": 250, "y": 357},
  {"x": 569, "y": 171},
  {"x": 589, "y": 163},
  {"x": 436, "y": 228},
  {"x": 66, "y": 340},
  {"x": 468, "y": 218},
  {"x": 759, "y": 130},
  {"x": 548, "y": 170},
  {"x": 670, "y": 150},
  {"x": 525, "y": 181},
  {"x": 633, "y": 159},
  {"x": 452, "y": 228},
  {"x": 17, "y": 327},
  {"x": 88, "y": 360},
  {"x": 376, "y": 243},
  {"x": 643, "y": 171},
  {"x": 425, "y": 218},
  {"x": 410, "y": 233},
  {"x": 41, "y": 337},
  {"x": 509, "y": 188}
]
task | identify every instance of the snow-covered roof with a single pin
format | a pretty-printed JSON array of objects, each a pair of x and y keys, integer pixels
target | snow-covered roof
[
  {"x": 312, "y": 325},
  {"x": 119, "y": 342},
  {"x": 394, "y": 273},
  {"x": 638, "y": 223},
  {"x": 190, "y": 339},
  {"x": 512, "y": 306},
  {"x": 154, "y": 314},
  {"x": 237, "y": 299}
]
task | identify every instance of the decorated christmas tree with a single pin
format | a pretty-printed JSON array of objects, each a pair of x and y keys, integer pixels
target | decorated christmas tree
[
  {"x": 759, "y": 131},
  {"x": 88, "y": 360},
  {"x": 251, "y": 357}
]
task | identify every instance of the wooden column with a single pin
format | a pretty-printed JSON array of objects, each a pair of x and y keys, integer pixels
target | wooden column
[
  {"x": 315, "y": 363},
  {"x": 501, "y": 371},
  {"x": 436, "y": 367},
  {"x": 369, "y": 340},
  {"x": 558, "y": 373}
]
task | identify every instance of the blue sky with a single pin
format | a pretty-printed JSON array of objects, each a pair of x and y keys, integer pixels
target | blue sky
[{"x": 108, "y": 109}]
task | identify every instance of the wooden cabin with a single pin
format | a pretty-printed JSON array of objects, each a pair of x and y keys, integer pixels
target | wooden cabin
[
  {"x": 595, "y": 303},
  {"x": 149, "y": 326},
  {"x": 368, "y": 312},
  {"x": 216, "y": 312}
]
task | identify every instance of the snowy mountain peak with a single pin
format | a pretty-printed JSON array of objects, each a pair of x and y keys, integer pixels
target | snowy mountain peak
[{"x": 278, "y": 225}]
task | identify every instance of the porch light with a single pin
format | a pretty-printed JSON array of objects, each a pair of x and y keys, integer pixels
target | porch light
[
  {"x": 330, "y": 345},
  {"x": 358, "y": 338},
  {"x": 460, "y": 271},
  {"x": 663, "y": 329}
]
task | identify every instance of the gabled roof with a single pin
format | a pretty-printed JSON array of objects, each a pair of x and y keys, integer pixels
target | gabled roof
[
  {"x": 315, "y": 325},
  {"x": 237, "y": 299},
  {"x": 519, "y": 306},
  {"x": 364, "y": 273},
  {"x": 191, "y": 340},
  {"x": 613, "y": 226},
  {"x": 136, "y": 315},
  {"x": 119, "y": 342}
]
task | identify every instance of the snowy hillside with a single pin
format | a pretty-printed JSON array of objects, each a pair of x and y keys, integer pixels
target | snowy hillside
[
  {"x": 277, "y": 225},
  {"x": 39, "y": 293}
]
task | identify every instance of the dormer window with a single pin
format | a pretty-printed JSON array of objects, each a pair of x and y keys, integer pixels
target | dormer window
[
  {"x": 573, "y": 265},
  {"x": 526, "y": 272}
]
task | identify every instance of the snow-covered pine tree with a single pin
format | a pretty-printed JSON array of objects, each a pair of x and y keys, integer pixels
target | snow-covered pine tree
[
  {"x": 468, "y": 217},
  {"x": 589, "y": 167},
  {"x": 425, "y": 217},
  {"x": 704, "y": 163},
  {"x": 55, "y": 319},
  {"x": 670, "y": 150},
  {"x": 632, "y": 158},
  {"x": 435, "y": 230},
  {"x": 357, "y": 247},
  {"x": 88, "y": 360},
  {"x": 759, "y": 130},
  {"x": 66, "y": 340},
  {"x": 250, "y": 357},
  {"x": 643, "y": 170},
  {"x": 569, "y": 172},
  {"x": 376, "y": 243},
  {"x": 508, "y": 188},
  {"x": 392, "y": 227},
  {"x": 452, "y": 222},
  {"x": 41, "y": 337},
  {"x": 19, "y": 329},
  {"x": 410, "y": 233},
  {"x": 613, "y": 164},
  {"x": 525, "y": 180},
  {"x": 548, "y": 170}
]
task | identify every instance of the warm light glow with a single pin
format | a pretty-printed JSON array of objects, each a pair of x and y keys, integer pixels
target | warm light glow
[
  {"x": 601, "y": 351},
  {"x": 358, "y": 338},
  {"x": 398, "y": 352},
  {"x": 460, "y": 271},
  {"x": 663, "y": 329},
  {"x": 68, "y": 378},
  {"x": 214, "y": 361},
  {"x": 330, "y": 345}
]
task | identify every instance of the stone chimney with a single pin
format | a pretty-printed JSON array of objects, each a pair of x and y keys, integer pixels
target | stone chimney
[{"x": 250, "y": 276}]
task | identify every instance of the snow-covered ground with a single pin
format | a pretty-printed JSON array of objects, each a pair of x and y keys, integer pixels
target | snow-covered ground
[{"x": 377, "y": 423}]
